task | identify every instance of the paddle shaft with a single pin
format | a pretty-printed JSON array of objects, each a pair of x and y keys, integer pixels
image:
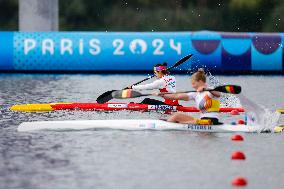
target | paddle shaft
[
  {"x": 142, "y": 80},
  {"x": 161, "y": 94},
  {"x": 128, "y": 93},
  {"x": 173, "y": 66}
]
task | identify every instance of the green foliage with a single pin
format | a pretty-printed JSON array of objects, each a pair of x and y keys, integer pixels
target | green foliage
[
  {"x": 8, "y": 15},
  {"x": 245, "y": 4},
  {"x": 160, "y": 15},
  {"x": 275, "y": 21}
]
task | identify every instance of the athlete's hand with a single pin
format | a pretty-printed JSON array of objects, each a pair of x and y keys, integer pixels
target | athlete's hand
[{"x": 129, "y": 87}]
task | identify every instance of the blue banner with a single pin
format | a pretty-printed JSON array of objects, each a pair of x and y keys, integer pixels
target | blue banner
[
  {"x": 6, "y": 51},
  {"x": 138, "y": 51}
]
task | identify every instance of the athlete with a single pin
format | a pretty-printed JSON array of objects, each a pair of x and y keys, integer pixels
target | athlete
[
  {"x": 165, "y": 83},
  {"x": 207, "y": 102}
]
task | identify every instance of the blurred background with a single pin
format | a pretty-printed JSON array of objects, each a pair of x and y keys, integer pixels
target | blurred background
[{"x": 159, "y": 15}]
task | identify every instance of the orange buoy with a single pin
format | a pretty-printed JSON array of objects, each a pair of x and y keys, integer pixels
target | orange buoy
[
  {"x": 238, "y": 155},
  {"x": 235, "y": 112},
  {"x": 237, "y": 137},
  {"x": 239, "y": 181},
  {"x": 241, "y": 122}
]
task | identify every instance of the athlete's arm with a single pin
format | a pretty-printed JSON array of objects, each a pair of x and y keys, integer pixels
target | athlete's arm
[
  {"x": 176, "y": 96},
  {"x": 215, "y": 93},
  {"x": 155, "y": 85}
]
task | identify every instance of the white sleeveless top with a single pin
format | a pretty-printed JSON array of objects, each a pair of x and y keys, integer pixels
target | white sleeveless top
[
  {"x": 167, "y": 84},
  {"x": 206, "y": 102}
]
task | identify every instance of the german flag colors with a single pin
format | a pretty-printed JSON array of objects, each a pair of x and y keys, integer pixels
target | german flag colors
[
  {"x": 230, "y": 89},
  {"x": 126, "y": 93}
]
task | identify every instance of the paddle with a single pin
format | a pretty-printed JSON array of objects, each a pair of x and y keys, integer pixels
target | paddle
[
  {"x": 107, "y": 96},
  {"x": 128, "y": 93}
]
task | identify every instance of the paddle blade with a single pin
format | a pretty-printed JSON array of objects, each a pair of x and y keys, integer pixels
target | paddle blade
[
  {"x": 233, "y": 89},
  {"x": 105, "y": 97},
  {"x": 128, "y": 93},
  {"x": 180, "y": 61}
]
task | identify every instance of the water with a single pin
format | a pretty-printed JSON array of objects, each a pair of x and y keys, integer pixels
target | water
[{"x": 129, "y": 159}]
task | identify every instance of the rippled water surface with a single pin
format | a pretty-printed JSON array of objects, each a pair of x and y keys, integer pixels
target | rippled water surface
[{"x": 129, "y": 159}]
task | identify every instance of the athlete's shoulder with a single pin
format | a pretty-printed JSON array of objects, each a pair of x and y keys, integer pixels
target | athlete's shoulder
[{"x": 170, "y": 77}]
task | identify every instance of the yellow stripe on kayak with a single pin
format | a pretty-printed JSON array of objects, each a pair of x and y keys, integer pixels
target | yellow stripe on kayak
[
  {"x": 279, "y": 129},
  {"x": 32, "y": 107},
  {"x": 281, "y": 111}
]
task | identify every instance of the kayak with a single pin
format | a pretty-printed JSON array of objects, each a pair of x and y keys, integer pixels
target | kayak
[
  {"x": 112, "y": 106},
  {"x": 132, "y": 124}
]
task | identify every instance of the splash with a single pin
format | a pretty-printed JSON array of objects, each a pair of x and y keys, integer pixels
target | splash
[
  {"x": 226, "y": 100},
  {"x": 258, "y": 115}
]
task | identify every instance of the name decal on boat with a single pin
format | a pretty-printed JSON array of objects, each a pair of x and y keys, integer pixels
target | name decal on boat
[
  {"x": 148, "y": 125},
  {"x": 161, "y": 107},
  {"x": 117, "y": 105},
  {"x": 199, "y": 127}
]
